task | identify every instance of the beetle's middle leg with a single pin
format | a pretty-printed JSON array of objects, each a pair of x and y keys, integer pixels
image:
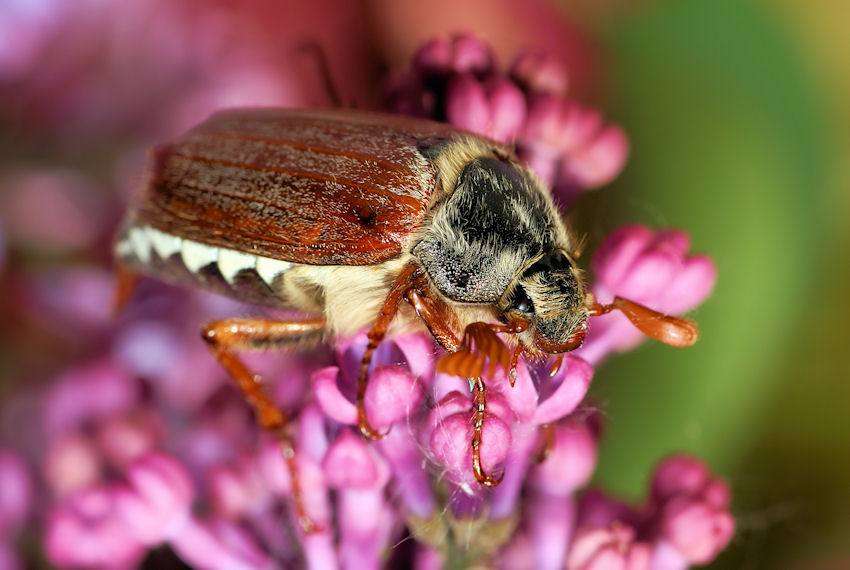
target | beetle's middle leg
[
  {"x": 224, "y": 337},
  {"x": 376, "y": 336}
]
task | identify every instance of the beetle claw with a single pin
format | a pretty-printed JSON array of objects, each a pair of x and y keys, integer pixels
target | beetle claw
[
  {"x": 366, "y": 429},
  {"x": 480, "y": 475}
]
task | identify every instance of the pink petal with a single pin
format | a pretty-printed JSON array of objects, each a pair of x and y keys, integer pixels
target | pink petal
[
  {"x": 392, "y": 395},
  {"x": 600, "y": 161},
  {"x": 576, "y": 375},
  {"x": 349, "y": 463},
  {"x": 329, "y": 398},
  {"x": 571, "y": 461}
]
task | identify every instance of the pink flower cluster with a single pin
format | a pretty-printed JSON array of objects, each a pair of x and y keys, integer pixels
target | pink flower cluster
[
  {"x": 684, "y": 522},
  {"x": 566, "y": 143},
  {"x": 139, "y": 446},
  {"x": 141, "y": 453}
]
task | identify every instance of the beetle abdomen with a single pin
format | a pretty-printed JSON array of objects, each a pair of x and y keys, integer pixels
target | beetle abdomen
[
  {"x": 348, "y": 296},
  {"x": 252, "y": 278}
]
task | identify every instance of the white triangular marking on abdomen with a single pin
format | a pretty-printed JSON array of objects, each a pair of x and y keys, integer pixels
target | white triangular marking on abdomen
[
  {"x": 123, "y": 248},
  {"x": 197, "y": 255},
  {"x": 140, "y": 243},
  {"x": 268, "y": 268},
  {"x": 164, "y": 244},
  {"x": 231, "y": 262}
]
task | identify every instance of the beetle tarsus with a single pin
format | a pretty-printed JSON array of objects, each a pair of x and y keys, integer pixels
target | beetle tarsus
[
  {"x": 366, "y": 429},
  {"x": 478, "y": 427},
  {"x": 305, "y": 522}
]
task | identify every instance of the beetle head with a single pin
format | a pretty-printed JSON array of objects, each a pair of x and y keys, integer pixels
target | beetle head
[{"x": 549, "y": 295}]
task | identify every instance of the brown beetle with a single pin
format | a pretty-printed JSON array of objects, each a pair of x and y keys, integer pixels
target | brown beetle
[{"x": 343, "y": 215}]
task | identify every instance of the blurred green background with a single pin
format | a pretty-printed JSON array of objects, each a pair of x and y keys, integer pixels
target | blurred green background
[{"x": 738, "y": 117}]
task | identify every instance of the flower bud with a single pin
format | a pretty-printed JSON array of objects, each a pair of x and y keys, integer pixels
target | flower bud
[
  {"x": 462, "y": 54},
  {"x": 611, "y": 548},
  {"x": 539, "y": 73}
]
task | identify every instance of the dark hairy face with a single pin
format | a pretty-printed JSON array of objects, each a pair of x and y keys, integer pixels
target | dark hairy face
[{"x": 550, "y": 296}]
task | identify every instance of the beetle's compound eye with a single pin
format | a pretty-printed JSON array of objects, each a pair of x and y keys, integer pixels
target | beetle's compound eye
[{"x": 521, "y": 302}]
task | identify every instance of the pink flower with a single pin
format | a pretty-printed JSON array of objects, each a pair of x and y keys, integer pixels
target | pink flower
[
  {"x": 393, "y": 392},
  {"x": 566, "y": 144},
  {"x": 360, "y": 476},
  {"x": 694, "y": 516},
  {"x": 461, "y": 54},
  {"x": 650, "y": 268},
  {"x": 494, "y": 108},
  {"x": 553, "y": 483},
  {"x": 612, "y": 548},
  {"x": 219, "y": 543},
  {"x": 685, "y": 521},
  {"x": 15, "y": 493},
  {"x": 451, "y": 432},
  {"x": 86, "y": 531},
  {"x": 155, "y": 503},
  {"x": 539, "y": 72},
  {"x": 570, "y": 462}
]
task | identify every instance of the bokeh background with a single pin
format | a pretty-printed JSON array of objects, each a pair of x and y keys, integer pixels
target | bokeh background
[{"x": 740, "y": 133}]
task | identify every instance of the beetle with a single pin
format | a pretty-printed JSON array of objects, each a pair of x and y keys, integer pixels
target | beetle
[{"x": 359, "y": 220}]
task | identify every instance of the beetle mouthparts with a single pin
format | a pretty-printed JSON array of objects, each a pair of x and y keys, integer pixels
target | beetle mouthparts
[{"x": 479, "y": 345}]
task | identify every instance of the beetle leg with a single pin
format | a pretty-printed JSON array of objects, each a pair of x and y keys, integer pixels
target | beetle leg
[
  {"x": 547, "y": 433},
  {"x": 514, "y": 363},
  {"x": 436, "y": 316},
  {"x": 479, "y": 395},
  {"x": 126, "y": 281},
  {"x": 226, "y": 336},
  {"x": 376, "y": 336}
]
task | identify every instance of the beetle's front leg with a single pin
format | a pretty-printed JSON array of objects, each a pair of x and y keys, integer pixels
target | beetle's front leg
[
  {"x": 437, "y": 316},
  {"x": 227, "y": 336}
]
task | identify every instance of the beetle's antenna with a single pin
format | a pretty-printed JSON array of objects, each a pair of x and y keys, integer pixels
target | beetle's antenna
[{"x": 668, "y": 329}]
